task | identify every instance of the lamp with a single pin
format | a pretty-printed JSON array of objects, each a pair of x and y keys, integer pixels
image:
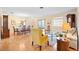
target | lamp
[{"x": 66, "y": 27}]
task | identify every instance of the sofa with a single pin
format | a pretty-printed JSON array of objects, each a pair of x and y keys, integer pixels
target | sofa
[{"x": 72, "y": 35}]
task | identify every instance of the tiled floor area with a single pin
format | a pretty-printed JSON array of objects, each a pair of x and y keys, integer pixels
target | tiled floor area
[{"x": 22, "y": 43}]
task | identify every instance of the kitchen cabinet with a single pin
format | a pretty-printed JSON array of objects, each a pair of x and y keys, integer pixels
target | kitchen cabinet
[
  {"x": 5, "y": 30},
  {"x": 71, "y": 20}
]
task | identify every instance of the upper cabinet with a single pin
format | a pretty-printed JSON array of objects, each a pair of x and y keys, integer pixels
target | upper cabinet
[
  {"x": 5, "y": 22},
  {"x": 71, "y": 20}
]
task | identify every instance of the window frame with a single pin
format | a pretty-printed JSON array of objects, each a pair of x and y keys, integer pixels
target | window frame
[{"x": 41, "y": 23}]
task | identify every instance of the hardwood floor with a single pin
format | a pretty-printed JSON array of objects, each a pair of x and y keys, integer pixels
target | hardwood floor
[{"x": 22, "y": 43}]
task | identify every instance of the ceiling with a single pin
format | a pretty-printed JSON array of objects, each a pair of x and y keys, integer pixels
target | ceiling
[{"x": 35, "y": 11}]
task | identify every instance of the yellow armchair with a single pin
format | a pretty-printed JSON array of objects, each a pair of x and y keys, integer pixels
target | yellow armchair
[
  {"x": 38, "y": 38},
  {"x": 43, "y": 40}
]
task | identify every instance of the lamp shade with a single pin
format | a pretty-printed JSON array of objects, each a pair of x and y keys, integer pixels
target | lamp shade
[{"x": 66, "y": 26}]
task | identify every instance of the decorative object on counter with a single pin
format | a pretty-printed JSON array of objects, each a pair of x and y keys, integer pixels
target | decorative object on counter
[
  {"x": 66, "y": 27},
  {"x": 61, "y": 36}
]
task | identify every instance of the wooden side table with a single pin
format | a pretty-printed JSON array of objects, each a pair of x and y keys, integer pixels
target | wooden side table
[{"x": 62, "y": 45}]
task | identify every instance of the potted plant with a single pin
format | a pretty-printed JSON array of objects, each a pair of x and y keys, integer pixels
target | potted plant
[{"x": 61, "y": 35}]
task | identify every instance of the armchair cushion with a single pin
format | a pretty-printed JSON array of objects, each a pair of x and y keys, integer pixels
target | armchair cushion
[
  {"x": 43, "y": 40},
  {"x": 38, "y": 38}
]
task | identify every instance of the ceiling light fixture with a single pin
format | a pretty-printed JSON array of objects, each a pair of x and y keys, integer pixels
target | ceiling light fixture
[{"x": 41, "y": 7}]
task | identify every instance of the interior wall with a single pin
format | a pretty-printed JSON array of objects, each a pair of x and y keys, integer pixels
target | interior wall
[{"x": 49, "y": 19}]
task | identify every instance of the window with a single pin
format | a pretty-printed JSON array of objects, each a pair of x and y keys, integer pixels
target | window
[
  {"x": 41, "y": 23},
  {"x": 58, "y": 21}
]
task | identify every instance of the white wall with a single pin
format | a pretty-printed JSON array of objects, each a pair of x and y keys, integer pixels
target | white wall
[{"x": 78, "y": 26}]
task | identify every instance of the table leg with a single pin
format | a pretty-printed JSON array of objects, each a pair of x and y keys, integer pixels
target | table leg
[
  {"x": 48, "y": 43},
  {"x": 40, "y": 47},
  {"x": 32, "y": 43}
]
